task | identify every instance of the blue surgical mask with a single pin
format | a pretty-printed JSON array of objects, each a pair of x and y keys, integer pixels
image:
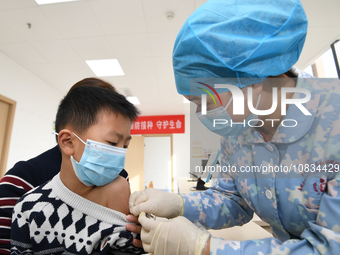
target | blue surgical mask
[
  {"x": 222, "y": 113},
  {"x": 100, "y": 163}
]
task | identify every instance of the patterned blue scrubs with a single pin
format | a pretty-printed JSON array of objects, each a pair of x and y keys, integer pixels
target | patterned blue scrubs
[{"x": 294, "y": 186}]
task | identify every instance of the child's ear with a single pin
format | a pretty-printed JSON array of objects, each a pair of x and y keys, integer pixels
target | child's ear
[{"x": 66, "y": 142}]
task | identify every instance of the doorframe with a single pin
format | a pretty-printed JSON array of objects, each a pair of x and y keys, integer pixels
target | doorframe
[
  {"x": 172, "y": 154},
  {"x": 8, "y": 133}
]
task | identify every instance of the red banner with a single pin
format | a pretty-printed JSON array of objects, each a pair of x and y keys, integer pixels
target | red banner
[{"x": 164, "y": 124}]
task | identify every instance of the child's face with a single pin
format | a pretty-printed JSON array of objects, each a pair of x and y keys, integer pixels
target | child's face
[{"x": 110, "y": 129}]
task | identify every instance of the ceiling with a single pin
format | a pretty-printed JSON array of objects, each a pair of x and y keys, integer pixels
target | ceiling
[{"x": 136, "y": 32}]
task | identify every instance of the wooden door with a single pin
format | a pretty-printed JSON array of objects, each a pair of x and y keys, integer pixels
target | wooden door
[
  {"x": 134, "y": 163},
  {"x": 7, "y": 109}
]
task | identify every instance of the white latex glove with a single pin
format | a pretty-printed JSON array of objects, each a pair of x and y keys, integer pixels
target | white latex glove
[
  {"x": 176, "y": 236},
  {"x": 156, "y": 202}
]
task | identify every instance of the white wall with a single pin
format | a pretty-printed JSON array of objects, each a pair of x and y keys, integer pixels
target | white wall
[
  {"x": 37, "y": 104},
  {"x": 194, "y": 131},
  {"x": 157, "y": 155},
  {"x": 181, "y": 151},
  {"x": 181, "y": 147}
]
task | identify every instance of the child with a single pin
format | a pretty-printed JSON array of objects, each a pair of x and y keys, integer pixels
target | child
[
  {"x": 82, "y": 210},
  {"x": 26, "y": 175}
]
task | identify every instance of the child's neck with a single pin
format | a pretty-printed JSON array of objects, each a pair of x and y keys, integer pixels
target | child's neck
[{"x": 71, "y": 181}]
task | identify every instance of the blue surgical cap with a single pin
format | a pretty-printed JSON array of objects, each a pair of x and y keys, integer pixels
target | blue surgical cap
[{"x": 242, "y": 41}]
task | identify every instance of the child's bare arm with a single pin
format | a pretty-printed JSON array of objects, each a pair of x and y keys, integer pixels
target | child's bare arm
[
  {"x": 118, "y": 193},
  {"x": 114, "y": 195}
]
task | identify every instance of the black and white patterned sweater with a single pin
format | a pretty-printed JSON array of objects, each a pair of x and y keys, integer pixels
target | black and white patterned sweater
[{"x": 51, "y": 219}]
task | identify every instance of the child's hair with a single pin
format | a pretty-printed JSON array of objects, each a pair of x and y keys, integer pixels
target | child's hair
[
  {"x": 93, "y": 82},
  {"x": 80, "y": 107}
]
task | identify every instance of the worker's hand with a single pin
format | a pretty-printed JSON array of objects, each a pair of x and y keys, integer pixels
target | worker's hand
[
  {"x": 172, "y": 237},
  {"x": 156, "y": 202},
  {"x": 135, "y": 228}
]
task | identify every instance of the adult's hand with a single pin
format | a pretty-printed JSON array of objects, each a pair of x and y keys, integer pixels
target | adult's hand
[
  {"x": 156, "y": 202},
  {"x": 176, "y": 236},
  {"x": 134, "y": 228}
]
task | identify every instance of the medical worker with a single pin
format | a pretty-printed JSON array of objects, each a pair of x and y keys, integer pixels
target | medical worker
[{"x": 253, "y": 44}]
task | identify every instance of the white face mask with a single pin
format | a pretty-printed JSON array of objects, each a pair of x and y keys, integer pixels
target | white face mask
[{"x": 225, "y": 129}]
